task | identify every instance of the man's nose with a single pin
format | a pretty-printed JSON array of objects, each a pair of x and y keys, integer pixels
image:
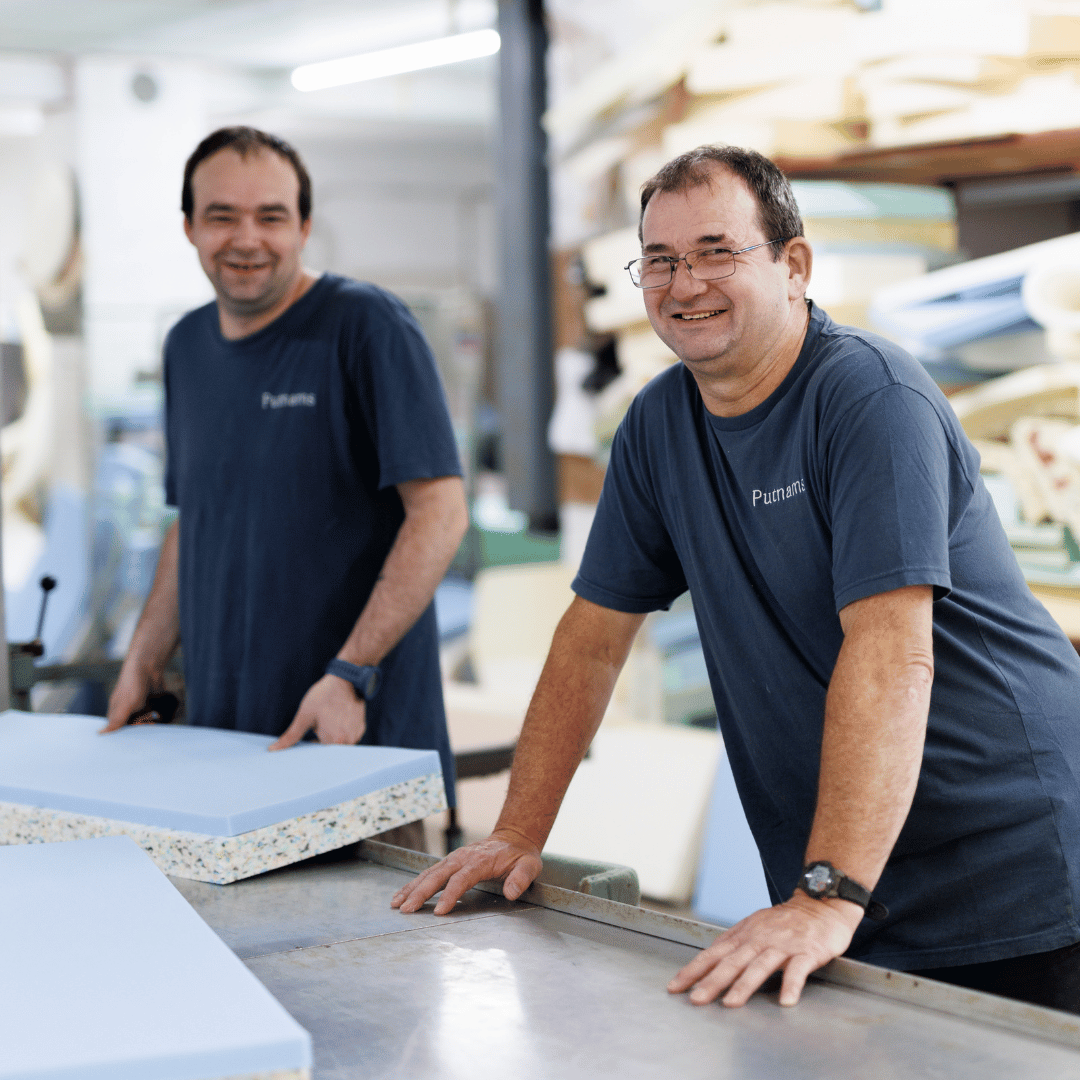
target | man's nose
[
  {"x": 246, "y": 232},
  {"x": 684, "y": 284}
]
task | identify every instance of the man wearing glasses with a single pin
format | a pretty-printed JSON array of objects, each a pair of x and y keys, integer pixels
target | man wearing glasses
[
  {"x": 898, "y": 710},
  {"x": 312, "y": 459}
]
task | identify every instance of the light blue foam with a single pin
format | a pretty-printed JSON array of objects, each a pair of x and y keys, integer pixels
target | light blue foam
[
  {"x": 202, "y": 780},
  {"x": 731, "y": 882},
  {"x": 109, "y": 974}
]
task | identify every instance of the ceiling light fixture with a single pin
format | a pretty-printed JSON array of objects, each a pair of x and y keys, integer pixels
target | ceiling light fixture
[{"x": 377, "y": 65}]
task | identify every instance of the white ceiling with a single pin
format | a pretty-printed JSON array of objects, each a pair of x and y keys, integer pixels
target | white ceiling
[
  {"x": 244, "y": 33},
  {"x": 249, "y": 47}
]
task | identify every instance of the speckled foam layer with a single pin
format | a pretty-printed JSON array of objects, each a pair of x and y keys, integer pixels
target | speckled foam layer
[
  {"x": 201, "y": 780},
  {"x": 221, "y": 859}
]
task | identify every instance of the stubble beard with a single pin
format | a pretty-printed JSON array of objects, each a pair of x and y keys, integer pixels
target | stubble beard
[{"x": 244, "y": 307}]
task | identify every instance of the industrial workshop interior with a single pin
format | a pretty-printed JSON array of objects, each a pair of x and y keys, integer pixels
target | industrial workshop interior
[{"x": 665, "y": 372}]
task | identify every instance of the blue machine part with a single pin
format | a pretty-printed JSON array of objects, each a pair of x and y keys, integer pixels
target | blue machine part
[
  {"x": 130, "y": 518},
  {"x": 730, "y": 883},
  {"x": 687, "y": 694},
  {"x": 453, "y": 607},
  {"x": 65, "y": 558}
]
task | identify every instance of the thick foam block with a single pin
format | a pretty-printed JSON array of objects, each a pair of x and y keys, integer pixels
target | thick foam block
[
  {"x": 109, "y": 974},
  {"x": 208, "y": 804}
]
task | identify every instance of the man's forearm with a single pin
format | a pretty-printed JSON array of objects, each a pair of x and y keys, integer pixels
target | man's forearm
[
  {"x": 435, "y": 521},
  {"x": 875, "y": 726},
  {"x": 587, "y": 653},
  {"x": 157, "y": 633}
]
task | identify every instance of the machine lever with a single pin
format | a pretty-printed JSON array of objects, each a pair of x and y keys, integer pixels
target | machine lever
[{"x": 47, "y": 585}]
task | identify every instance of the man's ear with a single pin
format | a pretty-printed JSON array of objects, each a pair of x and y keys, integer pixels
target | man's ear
[
  {"x": 305, "y": 229},
  {"x": 800, "y": 260},
  {"x": 187, "y": 229}
]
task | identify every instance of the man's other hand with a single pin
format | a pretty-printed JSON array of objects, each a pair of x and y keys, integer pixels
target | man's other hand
[
  {"x": 504, "y": 854},
  {"x": 798, "y": 937},
  {"x": 132, "y": 689},
  {"x": 333, "y": 710}
]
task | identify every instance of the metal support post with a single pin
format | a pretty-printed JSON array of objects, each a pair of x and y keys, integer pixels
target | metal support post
[{"x": 524, "y": 338}]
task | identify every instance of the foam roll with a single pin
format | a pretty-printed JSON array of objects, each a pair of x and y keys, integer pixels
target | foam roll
[{"x": 1051, "y": 294}]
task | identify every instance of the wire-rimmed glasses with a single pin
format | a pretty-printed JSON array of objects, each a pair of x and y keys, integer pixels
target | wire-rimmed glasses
[{"x": 704, "y": 264}]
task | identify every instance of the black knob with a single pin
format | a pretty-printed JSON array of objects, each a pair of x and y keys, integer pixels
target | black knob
[{"x": 47, "y": 583}]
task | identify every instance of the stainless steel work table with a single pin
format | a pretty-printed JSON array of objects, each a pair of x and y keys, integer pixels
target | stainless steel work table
[{"x": 573, "y": 986}]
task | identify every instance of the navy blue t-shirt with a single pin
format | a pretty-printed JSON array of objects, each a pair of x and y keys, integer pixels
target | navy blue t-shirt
[
  {"x": 283, "y": 451},
  {"x": 852, "y": 479}
]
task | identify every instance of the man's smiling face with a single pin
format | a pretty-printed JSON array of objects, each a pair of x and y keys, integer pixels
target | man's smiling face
[
  {"x": 246, "y": 227},
  {"x": 727, "y": 326}
]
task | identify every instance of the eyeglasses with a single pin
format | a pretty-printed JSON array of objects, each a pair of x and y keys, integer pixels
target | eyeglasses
[{"x": 708, "y": 264}]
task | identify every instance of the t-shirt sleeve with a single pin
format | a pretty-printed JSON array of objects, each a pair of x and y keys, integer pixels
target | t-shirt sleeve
[
  {"x": 630, "y": 563},
  {"x": 401, "y": 396},
  {"x": 896, "y": 488}
]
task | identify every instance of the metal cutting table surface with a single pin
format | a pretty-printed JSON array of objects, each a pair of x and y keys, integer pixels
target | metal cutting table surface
[{"x": 572, "y": 986}]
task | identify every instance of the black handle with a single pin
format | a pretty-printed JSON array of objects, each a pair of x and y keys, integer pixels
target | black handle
[{"x": 47, "y": 584}]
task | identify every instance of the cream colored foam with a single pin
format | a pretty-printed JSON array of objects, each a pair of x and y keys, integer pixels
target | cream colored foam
[{"x": 221, "y": 859}]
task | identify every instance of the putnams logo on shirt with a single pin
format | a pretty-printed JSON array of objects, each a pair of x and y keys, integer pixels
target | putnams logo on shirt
[
  {"x": 286, "y": 401},
  {"x": 767, "y": 498}
]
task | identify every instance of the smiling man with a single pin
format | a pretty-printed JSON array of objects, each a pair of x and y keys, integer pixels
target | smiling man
[
  {"x": 899, "y": 712},
  {"x": 313, "y": 463}
]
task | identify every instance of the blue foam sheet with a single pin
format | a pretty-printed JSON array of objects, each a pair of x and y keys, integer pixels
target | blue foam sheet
[
  {"x": 202, "y": 780},
  {"x": 109, "y": 974},
  {"x": 731, "y": 882}
]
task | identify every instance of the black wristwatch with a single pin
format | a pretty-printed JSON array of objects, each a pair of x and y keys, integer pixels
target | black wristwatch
[
  {"x": 823, "y": 881},
  {"x": 365, "y": 680}
]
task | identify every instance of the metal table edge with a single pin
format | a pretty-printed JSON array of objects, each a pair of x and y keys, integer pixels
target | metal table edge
[{"x": 1034, "y": 1021}]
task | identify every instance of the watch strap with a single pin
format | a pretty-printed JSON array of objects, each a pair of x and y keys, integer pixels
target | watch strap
[
  {"x": 843, "y": 887},
  {"x": 364, "y": 679}
]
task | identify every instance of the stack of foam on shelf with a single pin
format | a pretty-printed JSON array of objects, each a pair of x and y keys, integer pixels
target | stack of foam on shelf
[
  {"x": 970, "y": 68},
  {"x": 620, "y": 310},
  {"x": 768, "y": 85},
  {"x": 806, "y": 79},
  {"x": 868, "y": 236},
  {"x": 809, "y": 80},
  {"x": 976, "y": 312},
  {"x": 1006, "y": 311},
  {"x": 1026, "y": 427}
]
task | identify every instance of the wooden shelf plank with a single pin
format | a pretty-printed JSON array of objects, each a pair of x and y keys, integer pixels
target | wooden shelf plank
[{"x": 946, "y": 163}]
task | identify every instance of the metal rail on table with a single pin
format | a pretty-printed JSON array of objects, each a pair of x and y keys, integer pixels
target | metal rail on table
[{"x": 564, "y": 986}]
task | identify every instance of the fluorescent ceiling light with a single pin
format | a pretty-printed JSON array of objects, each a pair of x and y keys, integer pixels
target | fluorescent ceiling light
[{"x": 376, "y": 65}]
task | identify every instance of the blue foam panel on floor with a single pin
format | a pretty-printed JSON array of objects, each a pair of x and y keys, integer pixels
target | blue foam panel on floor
[
  {"x": 109, "y": 974},
  {"x": 202, "y": 780},
  {"x": 731, "y": 881},
  {"x": 66, "y": 558}
]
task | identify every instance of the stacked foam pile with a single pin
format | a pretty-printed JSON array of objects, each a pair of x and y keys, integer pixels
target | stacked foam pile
[{"x": 794, "y": 78}]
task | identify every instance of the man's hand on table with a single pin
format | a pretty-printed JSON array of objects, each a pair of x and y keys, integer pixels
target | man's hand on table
[
  {"x": 133, "y": 687},
  {"x": 333, "y": 710},
  {"x": 799, "y": 937},
  {"x": 504, "y": 854}
]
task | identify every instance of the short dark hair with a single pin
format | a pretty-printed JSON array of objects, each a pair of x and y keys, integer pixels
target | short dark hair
[
  {"x": 244, "y": 140},
  {"x": 778, "y": 212}
]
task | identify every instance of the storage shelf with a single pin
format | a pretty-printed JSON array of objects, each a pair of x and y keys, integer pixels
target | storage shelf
[{"x": 946, "y": 163}]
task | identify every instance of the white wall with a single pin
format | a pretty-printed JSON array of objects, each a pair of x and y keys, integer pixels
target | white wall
[
  {"x": 140, "y": 271},
  {"x": 403, "y": 214}
]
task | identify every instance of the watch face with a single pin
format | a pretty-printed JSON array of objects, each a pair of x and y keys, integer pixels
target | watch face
[
  {"x": 818, "y": 879},
  {"x": 371, "y": 684}
]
